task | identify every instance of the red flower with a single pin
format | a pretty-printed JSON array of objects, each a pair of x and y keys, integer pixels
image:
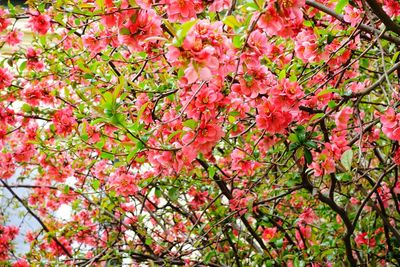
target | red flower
[
  {"x": 269, "y": 233},
  {"x": 40, "y": 23},
  {"x": 64, "y": 121},
  {"x": 363, "y": 239},
  {"x": 5, "y": 78}
]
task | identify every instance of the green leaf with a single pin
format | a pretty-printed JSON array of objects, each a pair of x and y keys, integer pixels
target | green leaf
[
  {"x": 395, "y": 57},
  {"x": 316, "y": 116},
  {"x": 237, "y": 41},
  {"x": 183, "y": 31},
  {"x": 341, "y": 5},
  {"x": 100, "y": 3},
  {"x": 293, "y": 138},
  {"x": 346, "y": 159},
  {"x": 327, "y": 91},
  {"x": 95, "y": 184},
  {"x": 173, "y": 193},
  {"x": 192, "y": 124},
  {"x": 308, "y": 156},
  {"x": 332, "y": 104},
  {"x": 66, "y": 189},
  {"x": 106, "y": 155},
  {"x": 231, "y": 21},
  {"x": 22, "y": 66},
  {"x": 26, "y": 108},
  {"x": 301, "y": 133},
  {"x": 131, "y": 154},
  {"x": 282, "y": 74},
  {"x": 293, "y": 146},
  {"x": 172, "y": 135},
  {"x": 157, "y": 192},
  {"x": 211, "y": 171},
  {"x": 124, "y": 31},
  {"x": 140, "y": 113},
  {"x": 344, "y": 177},
  {"x": 311, "y": 144}
]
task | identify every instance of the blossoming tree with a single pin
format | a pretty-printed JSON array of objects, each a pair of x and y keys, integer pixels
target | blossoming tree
[{"x": 202, "y": 132}]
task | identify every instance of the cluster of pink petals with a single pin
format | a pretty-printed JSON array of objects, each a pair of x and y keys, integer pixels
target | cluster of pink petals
[
  {"x": 138, "y": 28},
  {"x": 282, "y": 18},
  {"x": 64, "y": 121},
  {"x": 240, "y": 201},
  {"x": 242, "y": 165},
  {"x": 352, "y": 15},
  {"x": 13, "y": 37},
  {"x": 6, "y": 78},
  {"x": 4, "y": 20},
  {"x": 363, "y": 239},
  {"x": 40, "y": 23},
  {"x": 306, "y": 46},
  {"x": 7, "y": 235},
  {"x": 198, "y": 198},
  {"x": 391, "y": 124},
  {"x": 281, "y": 108},
  {"x": 205, "y": 52},
  {"x": 123, "y": 183}
]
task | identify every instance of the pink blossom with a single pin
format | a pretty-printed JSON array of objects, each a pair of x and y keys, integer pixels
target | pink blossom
[
  {"x": 306, "y": 46},
  {"x": 272, "y": 119},
  {"x": 13, "y": 37},
  {"x": 64, "y": 121},
  {"x": 4, "y": 21},
  {"x": 32, "y": 56},
  {"x": 181, "y": 10},
  {"x": 219, "y": 5},
  {"x": 342, "y": 118},
  {"x": 269, "y": 233},
  {"x": 352, "y": 15},
  {"x": 5, "y": 78},
  {"x": 7, "y": 165},
  {"x": 40, "y": 23},
  {"x": 198, "y": 198},
  {"x": 363, "y": 239},
  {"x": 390, "y": 124}
]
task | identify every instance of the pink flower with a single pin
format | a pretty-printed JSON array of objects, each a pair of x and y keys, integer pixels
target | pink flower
[
  {"x": 13, "y": 37},
  {"x": 7, "y": 166},
  {"x": 308, "y": 216},
  {"x": 352, "y": 15},
  {"x": 269, "y": 233},
  {"x": 123, "y": 183},
  {"x": 198, "y": 198},
  {"x": 240, "y": 201},
  {"x": 271, "y": 118},
  {"x": 392, "y": 7},
  {"x": 93, "y": 44},
  {"x": 4, "y": 21},
  {"x": 396, "y": 188},
  {"x": 303, "y": 233},
  {"x": 141, "y": 25},
  {"x": 21, "y": 263},
  {"x": 390, "y": 124},
  {"x": 342, "y": 118},
  {"x": 180, "y": 10},
  {"x": 306, "y": 46},
  {"x": 40, "y": 23},
  {"x": 64, "y": 121},
  {"x": 283, "y": 18},
  {"x": 363, "y": 239},
  {"x": 32, "y": 57},
  {"x": 5, "y": 78},
  {"x": 219, "y": 5}
]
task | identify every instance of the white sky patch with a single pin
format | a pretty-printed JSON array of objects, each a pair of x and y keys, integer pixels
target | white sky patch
[{"x": 64, "y": 212}]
